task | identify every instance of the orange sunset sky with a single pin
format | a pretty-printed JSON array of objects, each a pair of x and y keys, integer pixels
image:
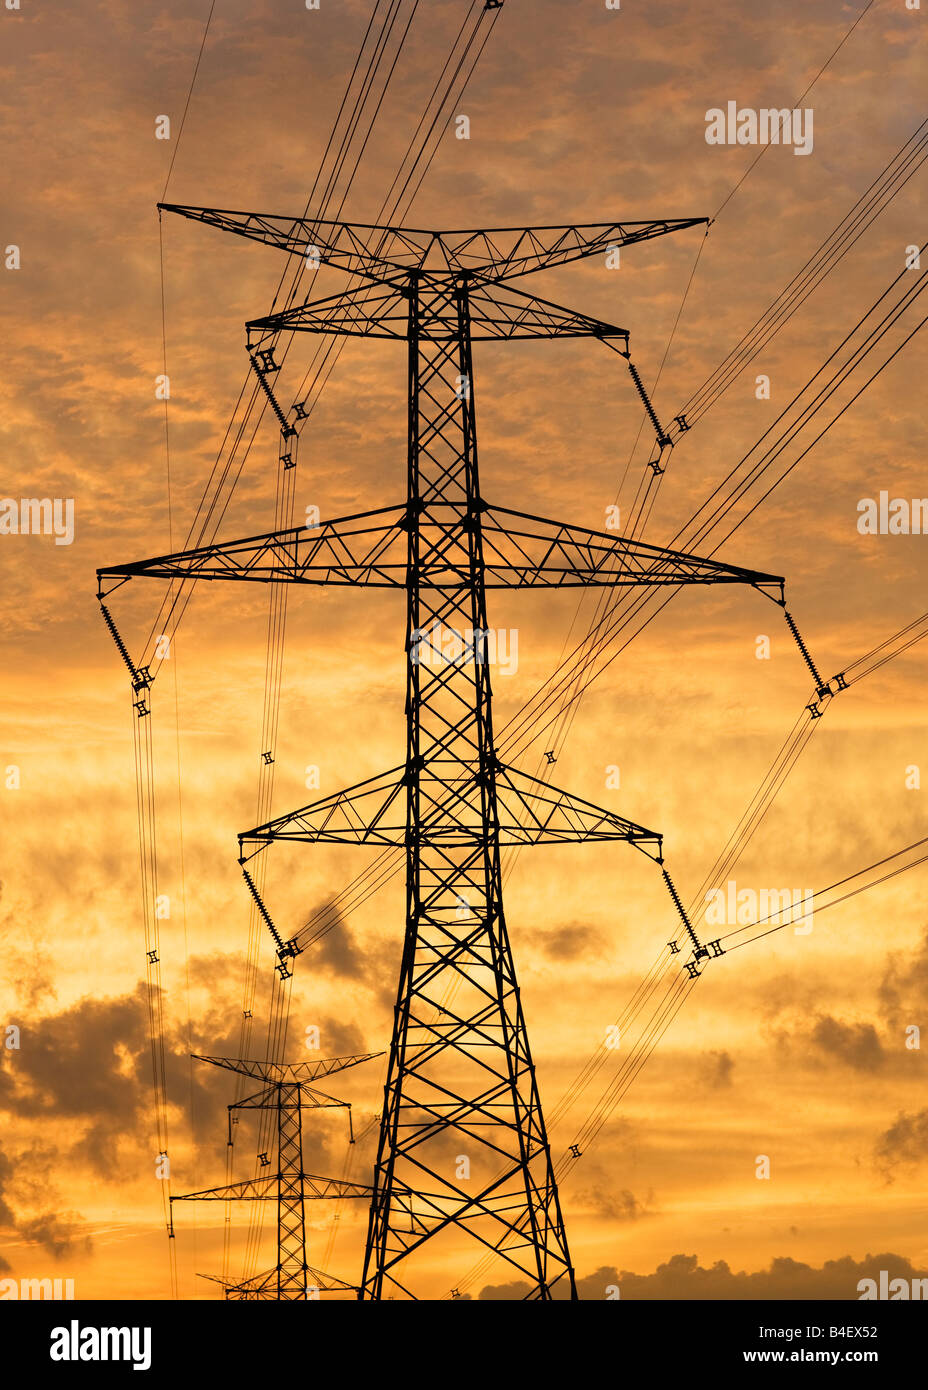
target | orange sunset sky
[{"x": 794, "y": 1047}]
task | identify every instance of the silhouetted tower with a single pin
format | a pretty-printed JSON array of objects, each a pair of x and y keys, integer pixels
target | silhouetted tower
[
  {"x": 288, "y": 1089},
  {"x": 463, "y": 1145}
]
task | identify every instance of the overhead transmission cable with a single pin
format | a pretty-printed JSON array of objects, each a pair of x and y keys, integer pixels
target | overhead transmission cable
[
  {"x": 669, "y": 1005},
  {"x": 280, "y": 1005},
  {"x": 535, "y": 716}
]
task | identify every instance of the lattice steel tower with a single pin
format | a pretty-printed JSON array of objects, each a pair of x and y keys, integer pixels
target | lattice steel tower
[
  {"x": 461, "y": 1081},
  {"x": 287, "y": 1089}
]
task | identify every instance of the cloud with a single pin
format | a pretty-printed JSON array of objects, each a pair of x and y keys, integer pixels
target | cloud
[
  {"x": 719, "y": 1070},
  {"x": 88, "y": 1067},
  {"x": 337, "y": 949},
  {"x": 54, "y": 1231},
  {"x": 7, "y": 1218},
  {"x": 82, "y": 1061},
  {"x": 904, "y": 1144},
  {"x": 904, "y": 986},
  {"x": 569, "y": 942},
  {"x": 682, "y": 1277},
  {"x": 856, "y": 1044},
  {"x": 824, "y": 1038},
  {"x": 557, "y": 425},
  {"x": 618, "y": 1206}
]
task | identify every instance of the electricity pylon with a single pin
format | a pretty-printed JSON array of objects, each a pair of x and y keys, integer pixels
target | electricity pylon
[
  {"x": 288, "y": 1089},
  {"x": 463, "y": 1145}
]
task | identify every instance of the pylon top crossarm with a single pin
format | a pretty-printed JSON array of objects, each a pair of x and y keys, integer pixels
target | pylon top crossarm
[
  {"x": 287, "y": 1071},
  {"x": 379, "y": 253}
]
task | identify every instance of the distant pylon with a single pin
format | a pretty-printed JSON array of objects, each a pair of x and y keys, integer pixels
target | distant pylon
[{"x": 287, "y": 1091}]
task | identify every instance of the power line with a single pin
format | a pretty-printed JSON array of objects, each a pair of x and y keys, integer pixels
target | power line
[{"x": 825, "y": 66}]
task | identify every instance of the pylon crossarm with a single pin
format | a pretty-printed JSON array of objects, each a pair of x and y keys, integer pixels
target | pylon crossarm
[
  {"x": 504, "y": 252},
  {"x": 530, "y": 813},
  {"x": 266, "y": 1189},
  {"x": 372, "y": 311},
  {"x": 366, "y": 548},
  {"x": 357, "y": 815},
  {"x": 496, "y": 314},
  {"x": 503, "y": 313},
  {"x": 320, "y": 1100},
  {"x": 334, "y": 1187},
  {"x": 346, "y": 246},
  {"x": 254, "y": 1189},
  {"x": 522, "y": 551},
  {"x": 536, "y": 813},
  {"x": 269, "y": 1099},
  {"x": 261, "y": 1100},
  {"x": 495, "y": 253},
  {"x": 278, "y": 1072},
  {"x": 267, "y": 1280}
]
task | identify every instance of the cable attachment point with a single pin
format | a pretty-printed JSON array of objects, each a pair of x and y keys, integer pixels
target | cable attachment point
[
  {"x": 821, "y": 689},
  {"x": 834, "y": 687},
  {"x": 658, "y": 465}
]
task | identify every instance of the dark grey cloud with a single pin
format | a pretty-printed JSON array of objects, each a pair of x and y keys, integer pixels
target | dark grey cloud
[
  {"x": 337, "y": 950},
  {"x": 26, "y": 1180},
  {"x": 903, "y": 1145},
  {"x": 55, "y": 1232},
  {"x": 682, "y": 1277},
  {"x": 718, "y": 1070},
  {"x": 87, "y": 1069},
  {"x": 856, "y": 1044},
  {"x": 569, "y": 942},
  {"x": 82, "y": 1061},
  {"x": 620, "y": 1205},
  {"x": 7, "y": 1218},
  {"x": 903, "y": 992}
]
